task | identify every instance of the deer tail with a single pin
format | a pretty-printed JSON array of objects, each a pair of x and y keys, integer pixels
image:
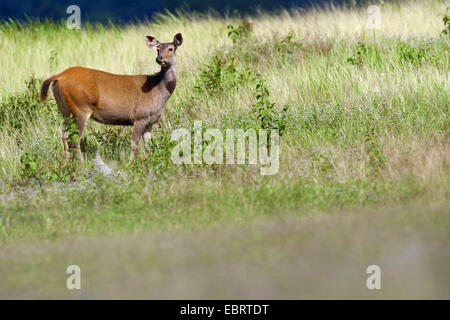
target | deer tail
[{"x": 45, "y": 85}]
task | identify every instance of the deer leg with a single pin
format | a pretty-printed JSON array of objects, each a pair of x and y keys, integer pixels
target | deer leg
[
  {"x": 147, "y": 135},
  {"x": 81, "y": 124},
  {"x": 65, "y": 133},
  {"x": 81, "y": 121},
  {"x": 66, "y": 115},
  {"x": 138, "y": 130},
  {"x": 65, "y": 136}
]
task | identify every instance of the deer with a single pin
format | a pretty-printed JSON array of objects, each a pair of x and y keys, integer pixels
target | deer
[{"x": 113, "y": 99}]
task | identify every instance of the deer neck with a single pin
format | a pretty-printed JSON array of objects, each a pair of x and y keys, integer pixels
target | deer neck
[{"x": 169, "y": 78}]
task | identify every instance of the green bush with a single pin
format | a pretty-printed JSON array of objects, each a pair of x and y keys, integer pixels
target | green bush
[
  {"x": 221, "y": 74},
  {"x": 241, "y": 32},
  {"x": 20, "y": 110},
  {"x": 363, "y": 53},
  {"x": 265, "y": 111}
]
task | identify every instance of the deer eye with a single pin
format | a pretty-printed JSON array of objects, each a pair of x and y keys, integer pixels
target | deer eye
[{"x": 170, "y": 49}]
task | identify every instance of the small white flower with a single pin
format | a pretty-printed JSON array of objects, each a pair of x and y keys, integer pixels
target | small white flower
[{"x": 101, "y": 166}]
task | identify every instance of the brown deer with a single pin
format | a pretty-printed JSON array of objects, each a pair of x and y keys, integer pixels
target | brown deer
[{"x": 134, "y": 100}]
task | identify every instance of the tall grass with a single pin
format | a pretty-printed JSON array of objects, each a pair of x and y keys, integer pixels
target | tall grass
[{"x": 365, "y": 118}]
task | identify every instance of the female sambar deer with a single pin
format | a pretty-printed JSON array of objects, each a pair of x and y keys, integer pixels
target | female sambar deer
[{"x": 135, "y": 100}]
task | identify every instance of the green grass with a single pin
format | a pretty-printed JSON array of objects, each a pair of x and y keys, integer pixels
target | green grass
[
  {"x": 194, "y": 206},
  {"x": 364, "y": 119},
  {"x": 320, "y": 256}
]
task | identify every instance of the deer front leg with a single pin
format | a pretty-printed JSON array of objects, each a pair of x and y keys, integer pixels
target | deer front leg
[
  {"x": 147, "y": 135},
  {"x": 138, "y": 130}
]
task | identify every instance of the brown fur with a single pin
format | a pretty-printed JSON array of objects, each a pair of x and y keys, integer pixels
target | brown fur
[{"x": 136, "y": 100}]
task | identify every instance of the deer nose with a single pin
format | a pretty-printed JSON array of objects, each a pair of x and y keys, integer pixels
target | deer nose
[{"x": 159, "y": 59}]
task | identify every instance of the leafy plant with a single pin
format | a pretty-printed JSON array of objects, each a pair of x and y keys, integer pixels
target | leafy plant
[
  {"x": 446, "y": 20},
  {"x": 71, "y": 127},
  {"x": 416, "y": 54},
  {"x": 117, "y": 138},
  {"x": 241, "y": 32},
  {"x": 222, "y": 73},
  {"x": 29, "y": 164},
  {"x": 160, "y": 146},
  {"x": 364, "y": 53},
  {"x": 265, "y": 110},
  {"x": 19, "y": 110}
]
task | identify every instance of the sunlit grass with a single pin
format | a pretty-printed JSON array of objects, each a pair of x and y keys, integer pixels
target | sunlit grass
[{"x": 366, "y": 121}]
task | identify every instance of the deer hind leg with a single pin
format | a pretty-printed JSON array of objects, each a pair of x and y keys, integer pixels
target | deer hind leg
[
  {"x": 70, "y": 111},
  {"x": 65, "y": 111},
  {"x": 66, "y": 145},
  {"x": 81, "y": 121},
  {"x": 71, "y": 143}
]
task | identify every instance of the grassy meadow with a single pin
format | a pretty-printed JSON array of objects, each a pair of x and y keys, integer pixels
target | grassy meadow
[{"x": 364, "y": 169}]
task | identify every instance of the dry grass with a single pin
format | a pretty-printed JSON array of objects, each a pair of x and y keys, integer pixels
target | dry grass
[{"x": 31, "y": 54}]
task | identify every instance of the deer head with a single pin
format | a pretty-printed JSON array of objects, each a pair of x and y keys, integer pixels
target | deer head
[{"x": 166, "y": 51}]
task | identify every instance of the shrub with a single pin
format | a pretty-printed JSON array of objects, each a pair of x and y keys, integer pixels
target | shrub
[
  {"x": 20, "y": 110},
  {"x": 221, "y": 73},
  {"x": 415, "y": 54},
  {"x": 365, "y": 53},
  {"x": 240, "y": 33},
  {"x": 446, "y": 20},
  {"x": 265, "y": 111}
]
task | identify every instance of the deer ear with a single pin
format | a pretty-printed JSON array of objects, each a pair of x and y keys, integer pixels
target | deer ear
[
  {"x": 177, "y": 40},
  {"x": 151, "y": 42}
]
